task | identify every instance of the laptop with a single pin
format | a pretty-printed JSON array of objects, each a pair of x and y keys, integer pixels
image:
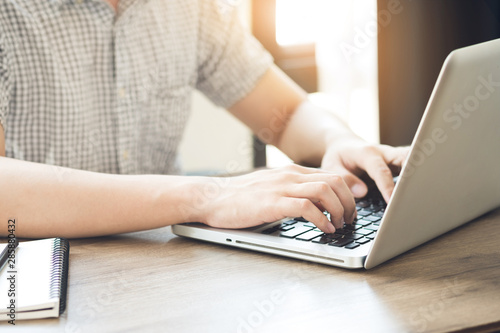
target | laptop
[{"x": 451, "y": 176}]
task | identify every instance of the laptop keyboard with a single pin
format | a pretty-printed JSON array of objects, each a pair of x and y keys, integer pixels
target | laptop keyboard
[{"x": 362, "y": 231}]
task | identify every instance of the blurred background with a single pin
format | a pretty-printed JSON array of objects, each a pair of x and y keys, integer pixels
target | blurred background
[{"x": 371, "y": 62}]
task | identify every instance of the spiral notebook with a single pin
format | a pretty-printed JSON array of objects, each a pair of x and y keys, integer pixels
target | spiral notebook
[{"x": 36, "y": 281}]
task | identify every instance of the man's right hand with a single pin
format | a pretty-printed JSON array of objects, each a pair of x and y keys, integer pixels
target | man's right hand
[{"x": 274, "y": 194}]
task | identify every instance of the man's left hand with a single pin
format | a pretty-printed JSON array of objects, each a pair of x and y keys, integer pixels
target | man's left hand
[{"x": 356, "y": 158}]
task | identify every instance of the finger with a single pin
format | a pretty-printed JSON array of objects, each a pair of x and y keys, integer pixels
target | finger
[
  {"x": 320, "y": 206},
  {"x": 395, "y": 156},
  {"x": 306, "y": 209},
  {"x": 356, "y": 185},
  {"x": 298, "y": 169},
  {"x": 322, "y": 193},
  {"x": 342, "y": 191},
  {"x": 377, "y": 169}
]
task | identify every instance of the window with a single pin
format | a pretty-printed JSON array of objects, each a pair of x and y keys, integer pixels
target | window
[{"x": 330, "y": 49}]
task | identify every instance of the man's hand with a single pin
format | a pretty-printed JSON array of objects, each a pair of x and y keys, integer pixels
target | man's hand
[
  {"x": 271, "y": 195},
  {"x": 356, "y": 158},
  {"x": 278, "y": 112}
]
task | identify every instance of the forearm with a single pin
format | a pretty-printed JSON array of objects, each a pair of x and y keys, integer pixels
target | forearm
[
  {"x": 278, "y": 112},
  {"x": 49, "y": 201},
  {"x": 309, "y": 131}
]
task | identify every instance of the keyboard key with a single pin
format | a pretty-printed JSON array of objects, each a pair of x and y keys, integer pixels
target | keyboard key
[
  {"x": 287, "y": 227},
  {"x": 372, "y": 218},
  {"x": 352, "y": 246},
  {"x": 295, "y": 231},
  {"x": 271, "y": 229},
  {"x": 375, "y": 207},
  {"x": 352, "y": 227},
  {"x": 362, "y": 204},
  {"x": 362, "y": 223},
  {"x": 371, "y": 236},
  {"x": 363, "y": 232},
  {"x": 356, "y": 236},
  {"x": 309, "y": 224},
  {"x": 343, "y": 231},
  {"x": 326, "y": 238},
  {"x": 372, "y": 227},
  {"x": 301, "y": 219},
  {"x": 339, "y": 242},
  {"x": 363, "y": 241},
  {"x": 364, "y": 212},
  {"x": 378, "y": 214},
  {"x": 289, "y": 222},
  {"x": 309, "y": 235}
]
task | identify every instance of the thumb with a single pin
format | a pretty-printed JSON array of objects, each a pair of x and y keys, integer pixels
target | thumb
[{"x": 359, "y": 188}]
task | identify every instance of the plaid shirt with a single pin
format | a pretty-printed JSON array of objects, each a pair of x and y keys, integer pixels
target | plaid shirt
[{"x": 84, "y": 87}]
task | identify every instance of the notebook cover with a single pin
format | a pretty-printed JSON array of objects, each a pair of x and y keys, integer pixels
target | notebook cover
[{"x": 41, "y": 271}]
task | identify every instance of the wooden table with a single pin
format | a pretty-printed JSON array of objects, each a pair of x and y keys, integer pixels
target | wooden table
[{"x": 155, "y": 281}]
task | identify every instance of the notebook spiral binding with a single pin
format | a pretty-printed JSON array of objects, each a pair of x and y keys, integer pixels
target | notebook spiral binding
[{"x": 59, "y": 271}]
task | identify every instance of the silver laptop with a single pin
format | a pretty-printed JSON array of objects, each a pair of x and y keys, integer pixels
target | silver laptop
[{"x": 451, "y": 176}]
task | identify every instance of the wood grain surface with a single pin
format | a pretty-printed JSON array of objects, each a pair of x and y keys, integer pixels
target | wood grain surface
[{"x": 156, "y": 282}]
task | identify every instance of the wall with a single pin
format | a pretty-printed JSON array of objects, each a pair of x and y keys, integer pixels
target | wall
[
  {"x": 412, "y": 49},
  {"x": 215, "y": 141}
]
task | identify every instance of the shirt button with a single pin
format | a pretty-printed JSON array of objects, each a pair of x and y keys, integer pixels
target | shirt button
[
  {"x": 79, "y": 2},
  {"x": 125, "y": 155}
]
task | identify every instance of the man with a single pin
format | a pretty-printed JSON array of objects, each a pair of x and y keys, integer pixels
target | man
[{"x": 92, "y": 90}]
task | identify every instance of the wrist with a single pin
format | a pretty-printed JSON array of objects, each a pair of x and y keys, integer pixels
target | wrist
[
  {"x": 190, "y": 198},
  {"x": 342, "y": 138}
]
